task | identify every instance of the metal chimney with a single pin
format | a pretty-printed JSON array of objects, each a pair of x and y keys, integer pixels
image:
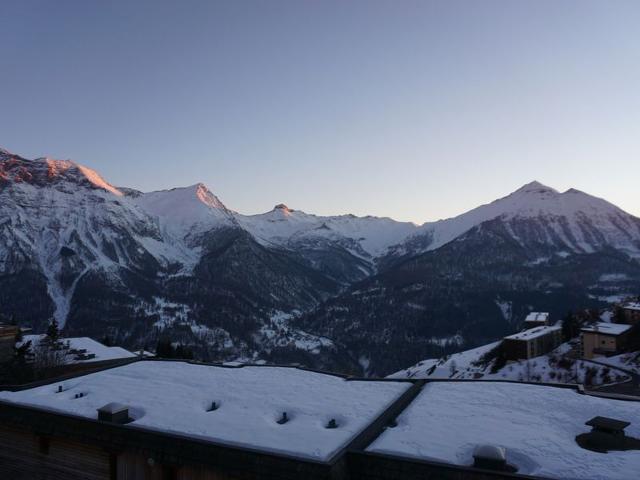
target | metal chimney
[{"x": 114, "y": 412}]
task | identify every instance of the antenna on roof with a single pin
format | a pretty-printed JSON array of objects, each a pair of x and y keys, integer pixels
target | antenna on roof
[
  {"x": 284, "y": 419},
  {"x": 214, "y": 406},
  {"x": 332, "y": 424}
]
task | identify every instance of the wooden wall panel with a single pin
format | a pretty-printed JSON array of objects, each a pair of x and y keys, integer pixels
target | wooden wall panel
[
  {"x": 21, "y": 458},
  {"x": 201, "y": 473}
]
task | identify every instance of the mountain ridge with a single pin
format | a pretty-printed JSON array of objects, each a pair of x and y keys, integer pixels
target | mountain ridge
[{"x": 104, "y": 259}]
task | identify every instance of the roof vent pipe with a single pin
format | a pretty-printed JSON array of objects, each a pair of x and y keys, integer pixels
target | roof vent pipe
[
  {"x": 284, "y": 419},
  {"x": 490, "y": 457},
  {"x": 332, "y": 424}
]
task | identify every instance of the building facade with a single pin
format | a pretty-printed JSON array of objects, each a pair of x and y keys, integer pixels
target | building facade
[
  {"x": 158, "y": 443},
  {"x": 7, "y": 341},
  {"x": 532, "y": 343},
  {"x": 631, "y": 313},
  {"x": 604, "y": 339}
]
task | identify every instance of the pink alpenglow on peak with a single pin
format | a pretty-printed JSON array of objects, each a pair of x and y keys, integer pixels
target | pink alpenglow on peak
[
  {"x": 186, "y": 210},
  {"x": 45, "y": 170}
]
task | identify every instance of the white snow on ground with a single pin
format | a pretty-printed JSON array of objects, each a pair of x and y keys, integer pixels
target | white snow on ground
[
  {"x": 506, "y": 308},
  {"x": 175, "y": 396},
  {"x": 615, "y": 298},
  {"x": 279, "y": 333},
  {"x": 168, "y": 312},
  {"x": 550, "y": 368},
  {"x": 442, "y": 367},
  {"x": 628, "y": 361},
  {"x": 536, "y": 424},
  {"x": 613, "y": 277},
  {"x": 101, "y": 352}
]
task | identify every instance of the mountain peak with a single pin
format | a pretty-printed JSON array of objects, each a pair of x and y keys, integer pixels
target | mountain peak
[
  {"x": 194, "y": 195},
  {"x": 207, "y": 197},
  {"x": 535, "y": 187},
  {"x": 46, "y": 171},
  {"x": 186, "y": 209},
  {"x": 283, "y": 207}
]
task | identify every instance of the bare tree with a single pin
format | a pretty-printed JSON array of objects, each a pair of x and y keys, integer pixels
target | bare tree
[
  {"x": 527, "y": 369},
  {"x": 50, "y": 351},
  {"x": 453, "y": 368}
]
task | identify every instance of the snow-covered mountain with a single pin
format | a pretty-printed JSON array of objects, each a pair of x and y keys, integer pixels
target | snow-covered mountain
[
  {"x": 568, "y": 222},
  {"x": 185, "y": 213},
  {"x": 344, "y": 247},
  {"x": 367, "y": 236},
  {"x": 464, "y": 281},
  {"x": 105, "y": 259},
  {"x": 60, "y": 221}
]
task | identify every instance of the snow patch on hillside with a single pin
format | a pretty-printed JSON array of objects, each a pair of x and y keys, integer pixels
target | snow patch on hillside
[
  {"x": 279, "y": 332},
  {"x": 554, "y": 367}
]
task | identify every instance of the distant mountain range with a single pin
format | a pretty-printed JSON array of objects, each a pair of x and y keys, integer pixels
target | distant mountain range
[{"x": 361, "y": 294}]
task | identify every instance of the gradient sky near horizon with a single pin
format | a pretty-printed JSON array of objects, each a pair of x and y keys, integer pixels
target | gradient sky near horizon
[{"x": 417, "y": 110}]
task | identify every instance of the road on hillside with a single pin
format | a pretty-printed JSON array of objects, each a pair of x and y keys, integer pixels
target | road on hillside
[{"x": 629, "y": 387}]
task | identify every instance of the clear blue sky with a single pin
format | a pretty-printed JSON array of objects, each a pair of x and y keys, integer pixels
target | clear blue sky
[{"x": 416, "y": 110}]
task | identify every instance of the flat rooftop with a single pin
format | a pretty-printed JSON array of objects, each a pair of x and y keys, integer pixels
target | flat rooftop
[
  {"x": 537, "y": 317},
  {"x": 607, "y": 328},
  {"x": 532, "y": 333},
  {"x": 174, "y": 397},
  {"x": 99, "y": 351},
  {"x": 536, "y": 425}
]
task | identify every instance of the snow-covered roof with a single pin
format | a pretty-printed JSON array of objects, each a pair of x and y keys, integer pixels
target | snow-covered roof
[
  {"x": 537, "y": 317},
  {"x": 607, "y": 328},
  {"x": 101, "y": 352},
  {"x": 536, "y": 424},
  {"x": 532, "y": 333},
  {"x": 632, "y": 306},
  {"x": 175, "y": 396}
]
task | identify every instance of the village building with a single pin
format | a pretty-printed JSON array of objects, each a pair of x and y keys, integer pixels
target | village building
[
  {"x": 7, "y": 341},
  {"x": 459, "y": 422},
  {"x": 631, "y": 313},
  {"x": 83, "y": 350},
  {"x": 532, "y": 342},
  {"x": 604, "y": 339},
  {"x": 178, "y": 420},
  {"x": 536, "y": 319}
]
